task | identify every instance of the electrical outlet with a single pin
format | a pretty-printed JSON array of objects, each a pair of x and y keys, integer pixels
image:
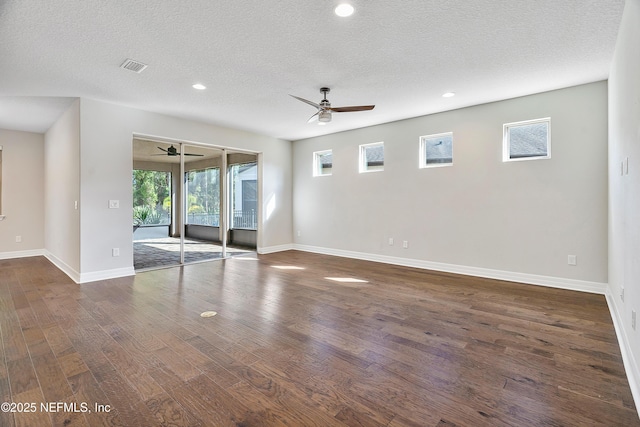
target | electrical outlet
[
  {"x": 405, "y": 244},
  {"x": 572, "y": 260},
  {"x": 622, "y": 294},
  {"x": 390, "y": 241},
  {"x": 633, "y": 320},
  {"x": 114, "y": 204},
  {"x": 115, "y": 252},
  {"x": 18, "y": 239},
  {"x": 298, "y": 233}
]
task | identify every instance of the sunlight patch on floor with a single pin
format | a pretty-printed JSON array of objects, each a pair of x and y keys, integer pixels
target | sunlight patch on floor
[{"x": 346, "y": 280}]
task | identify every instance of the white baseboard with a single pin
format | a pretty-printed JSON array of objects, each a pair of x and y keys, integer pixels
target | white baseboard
[
  {"x": 630, "y": 364},
  {"x": 73, "y": 275},
  {"x": 22, "y": 254},
  {"x": 278, "y": 248},
  {"x": 88, "y": 277},
  {"x": 94, "y": 276},
  {"x": 62, "y": 266},
  {"x": 532, "y": 279}
]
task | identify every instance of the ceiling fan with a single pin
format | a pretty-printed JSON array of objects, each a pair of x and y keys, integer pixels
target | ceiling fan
[
  {"x": 172, "y": 151},
  {"x": 323, "y": 115}
]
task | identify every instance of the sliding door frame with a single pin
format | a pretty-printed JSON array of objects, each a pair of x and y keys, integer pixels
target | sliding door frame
[{"x": 224, "y": 190}]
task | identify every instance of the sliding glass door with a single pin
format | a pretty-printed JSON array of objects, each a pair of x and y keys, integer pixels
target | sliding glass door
[{"x": 192, "y": 203}]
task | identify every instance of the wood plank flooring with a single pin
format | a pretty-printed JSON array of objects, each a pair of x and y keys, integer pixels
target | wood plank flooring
[{"x": 289, "y": 347}]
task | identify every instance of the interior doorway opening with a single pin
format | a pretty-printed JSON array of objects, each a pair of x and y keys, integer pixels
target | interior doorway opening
[{"x": 192, "y": 203}]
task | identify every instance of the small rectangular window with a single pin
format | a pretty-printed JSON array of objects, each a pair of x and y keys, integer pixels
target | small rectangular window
[
  {"x": 372, "y": 157},
  {"x": 322, "y": 163},
  {"x": 436, "y": 150},
  {"x": 527, "y": 140}
]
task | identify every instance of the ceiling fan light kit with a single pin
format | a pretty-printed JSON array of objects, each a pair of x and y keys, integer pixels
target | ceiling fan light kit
[{"x": 323, "y": 115}]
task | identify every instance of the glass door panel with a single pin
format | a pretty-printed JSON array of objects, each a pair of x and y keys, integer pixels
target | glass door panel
[
  {"x": 155, "y": 188},
  {"x": 203, "y": 203}
]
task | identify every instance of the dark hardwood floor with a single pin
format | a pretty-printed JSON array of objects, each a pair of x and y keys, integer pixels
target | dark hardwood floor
[{"x": 290, "y": 347}]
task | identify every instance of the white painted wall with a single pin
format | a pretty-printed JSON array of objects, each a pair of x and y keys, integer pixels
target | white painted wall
[
  {"x": 524, "y": 217},
  {"x": 62, "y": 190},
  {"x": 624, "y": 188},
  {"x": 106, "y": 164},
  {"x": 22, "y": 193}
]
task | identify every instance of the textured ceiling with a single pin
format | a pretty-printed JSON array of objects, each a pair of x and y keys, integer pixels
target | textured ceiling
[{"x": 400, "y": 55}]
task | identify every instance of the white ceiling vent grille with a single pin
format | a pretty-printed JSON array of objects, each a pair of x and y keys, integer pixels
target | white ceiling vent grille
[{"x": 133, "y": 65}]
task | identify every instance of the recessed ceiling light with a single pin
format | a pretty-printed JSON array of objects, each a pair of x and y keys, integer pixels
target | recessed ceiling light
[
  {"x": 343, "y": 10},
  {"x": 199, "y": 86},
  {"x": 448, "y": 94}
]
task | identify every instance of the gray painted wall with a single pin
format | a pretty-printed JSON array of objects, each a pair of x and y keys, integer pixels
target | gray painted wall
[
  {"x": 62, "y": 190},
  {"x": 106, "y": 162},
  {"x": 624, "y": 187},
  {"x": 524, "y": 217},
  {"x": 22, "y": 192}
]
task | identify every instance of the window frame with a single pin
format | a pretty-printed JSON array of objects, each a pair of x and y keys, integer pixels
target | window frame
[
  {"x": 317, "y": 163},
  {"x": 362, "y": 157},
  {"x": 423, "y": 151},
  {"x": 506, "y": 143}
]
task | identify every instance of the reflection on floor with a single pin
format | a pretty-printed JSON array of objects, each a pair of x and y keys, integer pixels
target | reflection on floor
[{"x": 152, "y": 248}]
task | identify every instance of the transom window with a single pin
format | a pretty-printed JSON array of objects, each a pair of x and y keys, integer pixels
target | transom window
[
  {"x": 372, "y": 157},
  {"x": 527, "y": 140},
  {"x": 322, "y": 163},
  {"x": 436, "y": 150}
]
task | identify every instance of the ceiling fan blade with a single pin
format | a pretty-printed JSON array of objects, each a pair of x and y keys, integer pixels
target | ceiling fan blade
[
  {"x": 314, "y": 118},
  {"x": 306, "y": 101},
  {"x": 199, "y": 155},
  {"x": 163, "y": 149},
  {"x": 350, "y": 109}
]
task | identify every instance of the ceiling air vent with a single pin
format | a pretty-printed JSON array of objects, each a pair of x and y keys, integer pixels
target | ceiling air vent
[{"x": 133, "y": 65}]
